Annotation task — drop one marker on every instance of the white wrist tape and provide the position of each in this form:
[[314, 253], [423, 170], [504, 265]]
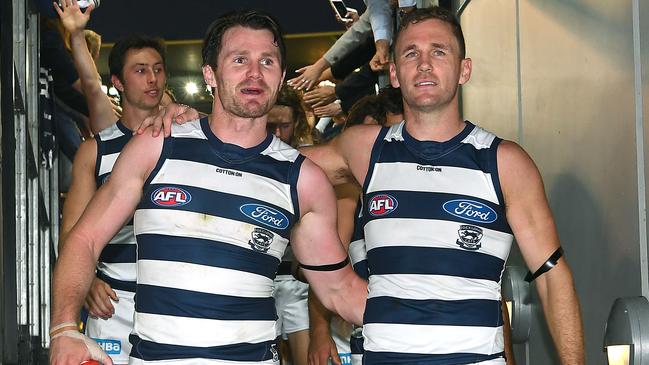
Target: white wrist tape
[[96, 353]]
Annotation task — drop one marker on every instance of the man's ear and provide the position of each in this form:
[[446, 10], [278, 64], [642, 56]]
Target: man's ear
[[466, 65], [208, 76], [393, 75], [117, 83]]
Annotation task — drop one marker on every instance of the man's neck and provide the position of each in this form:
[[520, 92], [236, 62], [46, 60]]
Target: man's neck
[[132, 117], [243, 132], [439, 125]]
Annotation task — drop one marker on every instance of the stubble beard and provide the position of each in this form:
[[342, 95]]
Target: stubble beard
[[252, 109]]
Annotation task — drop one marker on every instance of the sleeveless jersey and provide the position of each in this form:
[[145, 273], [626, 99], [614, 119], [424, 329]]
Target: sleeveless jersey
[[117, 260], [358, 258], [211, 228], [437, 241]]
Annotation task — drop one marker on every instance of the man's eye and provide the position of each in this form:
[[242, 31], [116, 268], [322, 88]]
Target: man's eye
[[239, 60], [411, 54], [266, 61], [439, 52]]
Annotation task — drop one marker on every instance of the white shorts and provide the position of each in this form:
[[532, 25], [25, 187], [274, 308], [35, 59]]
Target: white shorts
[[291, 298], [500, 361], [112, 334], [198, 361], [341, 332]]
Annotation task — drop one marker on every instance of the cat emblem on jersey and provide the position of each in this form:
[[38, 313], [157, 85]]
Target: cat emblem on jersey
[[470, 237], [261, 239], [273, 350]]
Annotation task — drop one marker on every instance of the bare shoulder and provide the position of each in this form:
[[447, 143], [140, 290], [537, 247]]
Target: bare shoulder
[[314, 190], [358, 136], [139, 155], [515, 164], [86, 155]]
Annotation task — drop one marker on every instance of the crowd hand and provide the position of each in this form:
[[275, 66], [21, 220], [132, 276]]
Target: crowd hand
[[321, 349], [71, 348], [329, 110], [381, 58], [172, 113], [117, 109], [72, 18], [320, 96], [98, 301], [350, 18], [309, 77]]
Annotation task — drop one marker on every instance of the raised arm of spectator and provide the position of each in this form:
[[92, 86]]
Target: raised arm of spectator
[[352, 38], [100, 107], [381, 19]]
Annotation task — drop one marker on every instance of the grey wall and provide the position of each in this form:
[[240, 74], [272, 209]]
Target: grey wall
[[559, 77]]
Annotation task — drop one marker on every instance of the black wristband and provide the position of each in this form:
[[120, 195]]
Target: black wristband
[[331, 267], [549, 264]]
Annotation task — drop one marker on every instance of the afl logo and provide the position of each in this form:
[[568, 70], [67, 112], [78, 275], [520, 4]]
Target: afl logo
[[265, 215], [470, 210], [170, 197], [382, 204]]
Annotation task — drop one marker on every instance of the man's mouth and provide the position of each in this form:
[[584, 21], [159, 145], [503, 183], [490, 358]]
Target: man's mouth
[[251, 91], [425, 83], [153, 93]]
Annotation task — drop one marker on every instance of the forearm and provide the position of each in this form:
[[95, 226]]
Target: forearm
[[73, 275], [359, 32], [99, 105], [319, 316], [83, 61], [380, 19], [561, 307], [341, 291]]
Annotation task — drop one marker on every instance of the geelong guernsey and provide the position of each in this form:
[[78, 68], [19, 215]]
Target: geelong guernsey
[[437, 241], [212, 227], [117, 260]]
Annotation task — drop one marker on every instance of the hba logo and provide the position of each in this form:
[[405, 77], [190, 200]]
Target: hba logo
[[111, 347], [170, 197], [382, 204]]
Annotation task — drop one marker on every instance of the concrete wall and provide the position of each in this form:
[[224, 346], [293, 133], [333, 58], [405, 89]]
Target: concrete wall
[[561, 78]]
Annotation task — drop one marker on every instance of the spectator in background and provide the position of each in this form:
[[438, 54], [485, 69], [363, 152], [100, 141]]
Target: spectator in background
[[93, 41]]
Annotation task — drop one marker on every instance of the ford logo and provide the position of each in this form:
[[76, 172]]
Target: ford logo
[[470, 210], [265, 215]]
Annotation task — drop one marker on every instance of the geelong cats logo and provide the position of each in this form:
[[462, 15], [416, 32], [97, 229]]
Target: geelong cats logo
[[261, 239], [470, 237]]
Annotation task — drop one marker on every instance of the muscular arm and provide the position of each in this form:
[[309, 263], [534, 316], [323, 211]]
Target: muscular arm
[[82, 188], [530, 218], [315, 242], [112, 205], [99, 104], [346, 158]]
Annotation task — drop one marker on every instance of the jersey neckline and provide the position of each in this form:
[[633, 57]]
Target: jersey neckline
[[433, 149], [232, 152]]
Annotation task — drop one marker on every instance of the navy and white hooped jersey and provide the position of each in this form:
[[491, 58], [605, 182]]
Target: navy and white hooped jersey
[[211, 228], [358, 258], [357, 250], [117, 260], [437, 241]]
